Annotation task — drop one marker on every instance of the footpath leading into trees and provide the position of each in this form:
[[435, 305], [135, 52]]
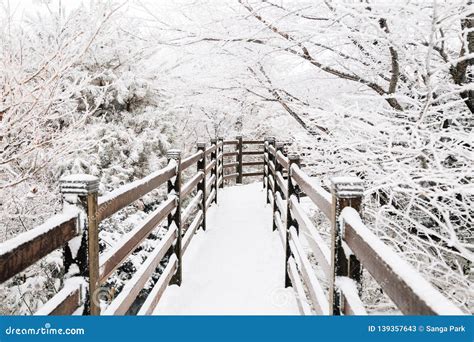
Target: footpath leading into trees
[[237, 266]]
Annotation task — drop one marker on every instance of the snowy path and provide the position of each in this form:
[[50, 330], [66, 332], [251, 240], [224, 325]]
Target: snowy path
[[236, 266]]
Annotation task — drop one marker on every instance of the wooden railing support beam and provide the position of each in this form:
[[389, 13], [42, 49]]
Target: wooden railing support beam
[[239, 160], [174, 189], [82, 191], [221, 162], [201, 167], [290, 221], [214, 169], [277, 188], [271, 142], [346, 192]]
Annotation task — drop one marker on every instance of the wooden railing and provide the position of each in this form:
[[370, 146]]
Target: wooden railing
[[352, 245], [78, 226]]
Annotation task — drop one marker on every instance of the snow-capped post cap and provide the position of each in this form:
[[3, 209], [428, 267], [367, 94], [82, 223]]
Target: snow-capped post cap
[[214, 141], [201, 145], [173, 154], [347, 187], [279, 145], [79, 184], [270, 139]]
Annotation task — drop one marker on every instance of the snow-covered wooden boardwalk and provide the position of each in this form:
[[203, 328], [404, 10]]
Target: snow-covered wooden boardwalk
[[236, 266]]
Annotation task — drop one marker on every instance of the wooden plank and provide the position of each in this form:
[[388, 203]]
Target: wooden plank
[[191, 230], [352, 302], [64, 303], [210, 166], [210, 198], [132, 288], [122, 250], [271, 182], [219, 182], [231, 154], [159, 288], [320, 197], [282, 159], [303, 305], [319, 247], [253, 142], [271, 166], [210, 149], [271, 149], [93, 251], [280, 228], [413, 294], [191, 160], [27, 248], [252, 174], [233, 164], [126, 195], [281, 183], [210, 183], [281, 206], [231, 175], [187, 188], [191, 207], [253, 163], [231, 142], [316, 292], [252, 153], [270, 197]]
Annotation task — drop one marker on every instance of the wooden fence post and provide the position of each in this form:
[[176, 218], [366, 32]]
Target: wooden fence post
[[239, 160], [290, 221], [221, 141], [265, 165], [278, 168], [82, 190], [214, 169], [346, 192], [201, 167], [174, 189], [271, 142]]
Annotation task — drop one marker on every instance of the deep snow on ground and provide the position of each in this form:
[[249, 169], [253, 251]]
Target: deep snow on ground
[[235, 267]]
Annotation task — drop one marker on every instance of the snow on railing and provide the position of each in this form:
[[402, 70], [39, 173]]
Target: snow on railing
[[29, 247], [352, 243], [84, 210], [403, 284]]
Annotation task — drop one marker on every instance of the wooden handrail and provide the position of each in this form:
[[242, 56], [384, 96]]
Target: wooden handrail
[[320, 197], [352, 242], [132, 288], [402, 283], [127, 194], [64, 303], [27, 248], [191, 184], [315, 289], [191, 207], [117, 255], [191, 160]]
